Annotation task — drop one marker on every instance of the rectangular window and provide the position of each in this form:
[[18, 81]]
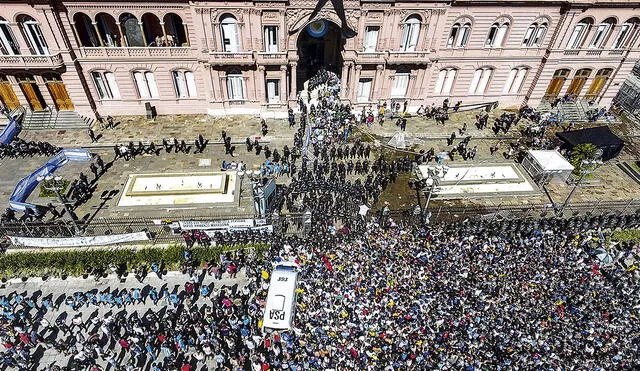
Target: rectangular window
[[576, 36], [271, 39], [448, 82], [36, 39], [537, 40], [400, 85], [105, 85], [273, 91], [230, 37], [146, 84], [9, 46], [364, 89], [453, 35], [371, 39], [185, 84], [235, 87], [480, 81], [622, 35], [410, 37], [528, 36], [598, 38]]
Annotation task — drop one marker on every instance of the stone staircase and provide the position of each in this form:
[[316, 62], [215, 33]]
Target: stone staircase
[[55, 120], [575, 111]]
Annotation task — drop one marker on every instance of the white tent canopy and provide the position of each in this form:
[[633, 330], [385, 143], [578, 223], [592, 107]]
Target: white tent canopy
[[547, 166]]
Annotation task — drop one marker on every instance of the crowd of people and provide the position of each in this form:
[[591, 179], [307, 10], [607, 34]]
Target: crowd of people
[[524, 294], [19, 147]]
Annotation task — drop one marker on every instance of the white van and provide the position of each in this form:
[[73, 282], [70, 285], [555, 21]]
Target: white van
[[281, 299]]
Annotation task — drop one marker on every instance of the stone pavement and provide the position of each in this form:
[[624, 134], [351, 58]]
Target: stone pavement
[[58, 288], [421, 133]]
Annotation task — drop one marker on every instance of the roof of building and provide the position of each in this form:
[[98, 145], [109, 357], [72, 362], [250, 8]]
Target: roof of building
[[550, 160]]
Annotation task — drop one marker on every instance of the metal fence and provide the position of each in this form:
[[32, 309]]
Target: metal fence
[[161, 230], [450, 214]]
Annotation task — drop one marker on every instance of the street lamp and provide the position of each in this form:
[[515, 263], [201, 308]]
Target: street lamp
[[586, 167], [56, 184], [432, 181]]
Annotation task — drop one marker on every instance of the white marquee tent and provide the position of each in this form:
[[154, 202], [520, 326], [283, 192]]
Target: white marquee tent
[[547, 166]]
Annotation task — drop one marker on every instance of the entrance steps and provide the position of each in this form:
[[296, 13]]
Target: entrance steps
[[574, 111], [55, 120]]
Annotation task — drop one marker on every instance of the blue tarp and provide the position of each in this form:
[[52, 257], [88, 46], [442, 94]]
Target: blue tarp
[[10, 131], [27, 184]]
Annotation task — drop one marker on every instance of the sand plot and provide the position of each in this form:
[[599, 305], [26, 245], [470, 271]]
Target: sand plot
[[482, 180], [179, 189]]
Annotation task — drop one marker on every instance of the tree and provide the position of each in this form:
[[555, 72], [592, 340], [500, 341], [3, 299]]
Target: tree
[[582, 152]]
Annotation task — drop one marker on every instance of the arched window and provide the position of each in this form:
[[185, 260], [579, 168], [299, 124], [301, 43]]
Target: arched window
[[579, 33], [534, 35], [235, 85], [496, 35], [146, 84], [459, 35], [595, 89], [446, 78], [86, 32], [33, 35], [176, 30], [515, 80], [410, 33], [602, 33], [8, 42], [400, 83], [184, 83], [105, 83], [480, 80], [626, 34], [230, 34], [152, 30], [556, 83], [108, 30], [131, 29]]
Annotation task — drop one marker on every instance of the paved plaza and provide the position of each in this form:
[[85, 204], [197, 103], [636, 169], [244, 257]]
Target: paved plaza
[[609, 182]]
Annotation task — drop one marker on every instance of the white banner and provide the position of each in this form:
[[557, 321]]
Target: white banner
[[79, 241], [217, 224]]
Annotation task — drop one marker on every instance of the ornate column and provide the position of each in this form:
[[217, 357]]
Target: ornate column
[[75, 33], [294, 81], [95, 27], [123, 40], [144, 37], [186, 35], [377, 82], [356, 82], [211, 92], [283, 84], [164, 33], [344, 83], [261, 84]]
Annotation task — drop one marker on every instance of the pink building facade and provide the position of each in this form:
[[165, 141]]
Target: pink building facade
[[237, 57]]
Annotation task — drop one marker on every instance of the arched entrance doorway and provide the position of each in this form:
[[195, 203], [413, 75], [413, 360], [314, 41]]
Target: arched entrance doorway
[[320, 44]]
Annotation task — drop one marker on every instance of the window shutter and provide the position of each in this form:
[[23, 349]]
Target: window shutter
[[508, 86], [191, 84], [113, 87], [151, 81], [440, 82], [143, 89]]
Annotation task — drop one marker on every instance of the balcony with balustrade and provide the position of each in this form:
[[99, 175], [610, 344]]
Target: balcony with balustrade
[[31, 61], [415, 57], [365, 57], [232, 58], [101, 53], [590, 52], [271, 58]]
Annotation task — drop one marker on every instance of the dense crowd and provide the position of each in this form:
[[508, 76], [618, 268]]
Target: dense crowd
[[474, 295]]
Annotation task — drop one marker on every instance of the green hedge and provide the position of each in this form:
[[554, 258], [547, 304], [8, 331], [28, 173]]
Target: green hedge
[[73, 262], [627, 235]]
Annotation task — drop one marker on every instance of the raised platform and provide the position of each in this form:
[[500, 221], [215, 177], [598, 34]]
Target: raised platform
[[482, 180], [179, 189]]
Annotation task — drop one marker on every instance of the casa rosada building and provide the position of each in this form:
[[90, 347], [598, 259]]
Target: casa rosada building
[[112, 57]]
